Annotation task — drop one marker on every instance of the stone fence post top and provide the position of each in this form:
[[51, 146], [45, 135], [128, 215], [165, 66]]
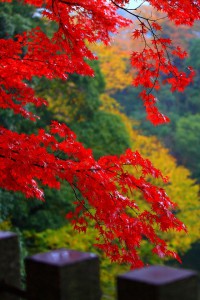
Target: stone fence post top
[[7, 234], [158, 275], [61, 257]]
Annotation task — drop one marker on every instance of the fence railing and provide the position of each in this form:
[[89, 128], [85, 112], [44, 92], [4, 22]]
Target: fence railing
[[71, 275]]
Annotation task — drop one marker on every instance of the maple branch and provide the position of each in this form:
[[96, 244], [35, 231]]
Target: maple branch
[[74, 187], [137, 6], [158, 68], [133, 14]]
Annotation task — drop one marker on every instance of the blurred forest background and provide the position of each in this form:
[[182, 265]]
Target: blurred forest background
[[107, 116]]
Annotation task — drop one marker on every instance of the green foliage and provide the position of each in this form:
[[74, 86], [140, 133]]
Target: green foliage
[[15, 19], [187, 138], [31, 214], [105, 133]]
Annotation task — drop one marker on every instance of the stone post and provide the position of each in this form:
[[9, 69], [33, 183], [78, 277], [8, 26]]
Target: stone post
[[63, 275], [158, 283], [9, 264]]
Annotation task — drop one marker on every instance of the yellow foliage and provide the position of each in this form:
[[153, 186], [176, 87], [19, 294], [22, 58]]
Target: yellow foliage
[[5, 225], [66, 108], [109, 104], [181, 189], [114, 66]]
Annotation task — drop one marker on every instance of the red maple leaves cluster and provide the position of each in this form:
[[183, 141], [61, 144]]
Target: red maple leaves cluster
[[181, 12], [155, 63], [106, 186], [55, 57]]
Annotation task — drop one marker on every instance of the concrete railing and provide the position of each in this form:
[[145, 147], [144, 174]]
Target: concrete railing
[[71, 275]]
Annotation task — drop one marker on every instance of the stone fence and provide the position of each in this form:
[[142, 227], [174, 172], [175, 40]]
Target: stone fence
[[71, 275]]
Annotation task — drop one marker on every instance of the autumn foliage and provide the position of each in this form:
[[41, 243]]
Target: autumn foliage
[[105, 188]]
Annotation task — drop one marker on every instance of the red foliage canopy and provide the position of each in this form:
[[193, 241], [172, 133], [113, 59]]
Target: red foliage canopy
[[27, 162]]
